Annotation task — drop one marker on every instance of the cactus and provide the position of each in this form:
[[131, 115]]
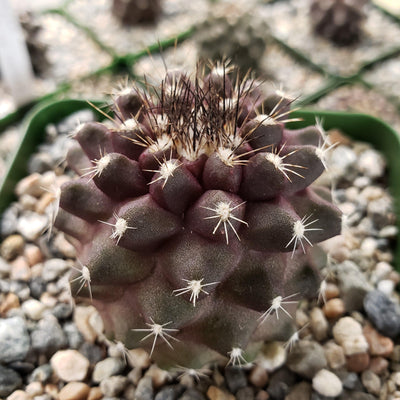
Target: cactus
[[131, 12], [194, 217], [231, 32], [338, 20]]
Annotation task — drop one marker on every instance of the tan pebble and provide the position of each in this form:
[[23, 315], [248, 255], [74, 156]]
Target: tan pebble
[[63, 246], [395, 377], [19, 395], [30, 185], [48, 300], [262, 395], [334, 355], [34, 389], [43, 202], [12, 247], [74, 391], [378, 365], [28, 202], [394, 276], [70, 365], [300, 391], [52, 390], [337, 247], [139, 358], [215, 393], [11, 301], [357, 362], [319, 324], [81, 319], [20, 270], [135, 375], [371, 382], [95, 393], [379, 345], [334, 308], [33, 254], [158, 376], [37, 270], [258, 376], [332, 291]]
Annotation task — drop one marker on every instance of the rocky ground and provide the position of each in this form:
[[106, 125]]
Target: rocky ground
[[347, 345]]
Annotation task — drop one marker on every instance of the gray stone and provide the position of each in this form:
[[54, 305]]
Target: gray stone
[[62, 311], [53, 269], [74, 337], [41, 374], [170, 392], [48, 337], [106, 368], [235, 379], [144, 389], [92, 352], [306, 358], [353, 285], [114, 385], [246, 393], [280, 383], [37, 286], [300, 391], [14, 340], [9, 381], [192, 394], [383, 313], [9, 220]]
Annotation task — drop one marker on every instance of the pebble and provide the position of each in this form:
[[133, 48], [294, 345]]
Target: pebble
[[371, 382], [334, 355], [348, 333], [235, 379], [386, 286], [158, 376], [20, 270], [10, 301], [31, 225], [113, 385], [246, 393], [379, 345], [191, 394], [382, 313], [378, 365], [48, 337], [82, 316], [33, 254], [53, 269], [62, 311], [14, 340], [70, 365], [318, 323], [371, 164], [95, 393], [33, 309], [357, 362], [353, 285], [12, 247], [306, 358], [300, 391], [74, 391], [215, 393], [9, 381], [5, 268], [280, 383], [258, 376], [334, 308], [34, 389], [327, 383], [144, 389], [19, 395], [41, 374], [92, 352], [108, 367], [272, 356], [170, 392]]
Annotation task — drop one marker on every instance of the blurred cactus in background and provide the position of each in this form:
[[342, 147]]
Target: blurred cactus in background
[[232, 33], [194, 217], [131, 12], [338, 20]]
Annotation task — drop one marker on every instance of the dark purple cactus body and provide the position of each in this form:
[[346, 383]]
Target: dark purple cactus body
[[196, 217]]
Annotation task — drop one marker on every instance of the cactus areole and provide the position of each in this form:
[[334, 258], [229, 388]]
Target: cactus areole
[[194, 217]]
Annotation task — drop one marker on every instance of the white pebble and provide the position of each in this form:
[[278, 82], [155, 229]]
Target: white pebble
[[348, 333], [70, 365], [33, 309], [386, 286], [327, 383]]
